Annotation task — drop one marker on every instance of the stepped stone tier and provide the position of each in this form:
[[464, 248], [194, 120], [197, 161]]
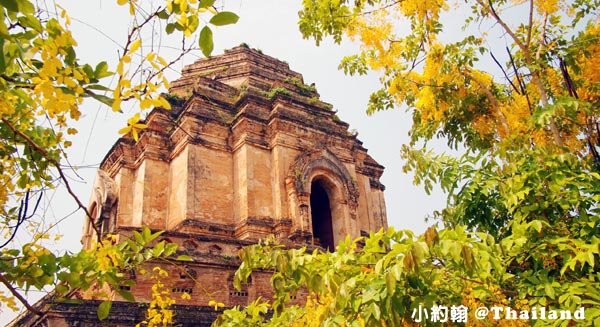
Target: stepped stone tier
[[247, 151]]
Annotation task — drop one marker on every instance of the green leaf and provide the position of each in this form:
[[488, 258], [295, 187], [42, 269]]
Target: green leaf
[[206, 3], [98, 87], [126, 295], [101, 70], [102, 98], [71, 56], [3, 28], [390, 282], [537, 225], [184, 257], [146, 234], [31, 21], [163, 14], [549, 291], [104, 309], [2, 61], [206, 41], [170, 249], [170, 28], [315, 282], [224, 18], [159, 249], [149, 236], [138, 238], [87, 69], [178, 26], [26, 7], [10, 5], [375, 311], [36, 272]]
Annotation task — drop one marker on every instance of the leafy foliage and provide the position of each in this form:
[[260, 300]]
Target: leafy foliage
[[272, 93], [106, 263], [43, 83], [522, 223], [302, 88]]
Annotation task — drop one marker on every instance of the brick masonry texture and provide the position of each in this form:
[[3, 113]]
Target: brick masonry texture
[[232, 162]]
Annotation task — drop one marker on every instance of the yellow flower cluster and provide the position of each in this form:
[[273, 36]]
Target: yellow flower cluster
[[589, 61], [373, 32], [51, 86], [516, 111], [496, 298], [317, 310], [439, 80], [55, 76], [547, 6], [107, 255], [423, 9], [158, 313], [145, 92]]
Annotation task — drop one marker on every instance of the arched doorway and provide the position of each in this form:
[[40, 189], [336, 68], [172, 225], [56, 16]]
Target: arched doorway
[[320, 210]]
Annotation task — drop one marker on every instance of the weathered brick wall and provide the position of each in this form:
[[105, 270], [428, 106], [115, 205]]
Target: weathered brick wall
[[232, 162]]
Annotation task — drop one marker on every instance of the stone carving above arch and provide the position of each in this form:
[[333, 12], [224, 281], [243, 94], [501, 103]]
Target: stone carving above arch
[[101, 208], [104, 196], [301, 171]]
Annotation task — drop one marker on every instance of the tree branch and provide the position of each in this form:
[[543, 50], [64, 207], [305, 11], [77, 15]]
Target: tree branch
[[22, 216], [504, 72], [537, 80], [56, 164], [492, 99], [506, 28], [530, 27], [521, 83], [20, 297], [364, 13]]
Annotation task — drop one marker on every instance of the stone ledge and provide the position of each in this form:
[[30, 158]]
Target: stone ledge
[[121, 314]]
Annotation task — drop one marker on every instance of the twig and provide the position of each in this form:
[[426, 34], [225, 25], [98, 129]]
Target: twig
[[530, 27], [521, 83], [22, 216], [567, 78], [492, 99], [57, 165], [537, 80], [504, 72], [506, 28], [20, 297], [364, 13]]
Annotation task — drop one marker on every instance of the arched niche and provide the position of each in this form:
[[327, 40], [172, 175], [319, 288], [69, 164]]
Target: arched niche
[[323, 172], [325, 211]]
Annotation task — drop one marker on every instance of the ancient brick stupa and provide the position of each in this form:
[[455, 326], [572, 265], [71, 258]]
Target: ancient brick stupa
[[247, 151]]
